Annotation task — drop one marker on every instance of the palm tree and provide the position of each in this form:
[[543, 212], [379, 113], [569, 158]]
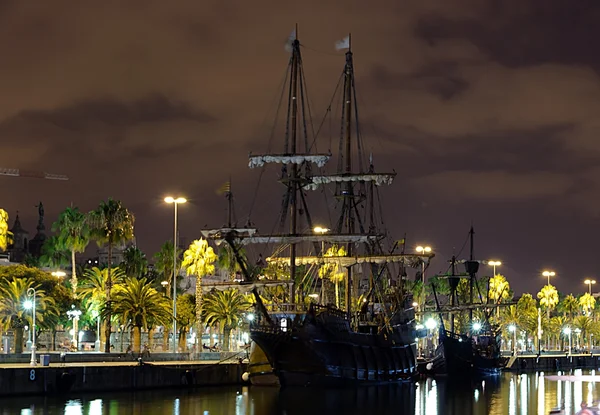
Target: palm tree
[[5, 234], [135, 264], [548, 298], [332, 271], [93, 289], [569, 305], [110, 224], [13, 314], [225, 308], [199, 260], [54, 253], [227, 259], [587, 303], [137, 301], [164, 263], [73, 232], [499, 288], [585, 324]]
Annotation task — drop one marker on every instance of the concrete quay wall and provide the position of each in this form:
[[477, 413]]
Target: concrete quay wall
[[61, 379], [552, 363]]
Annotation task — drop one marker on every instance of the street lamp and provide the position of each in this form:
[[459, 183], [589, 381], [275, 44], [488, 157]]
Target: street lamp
[[513, 329], [30, 304], [164, 285], [589, 283], [175, 202], [423, 251], [548, 274], [74, 314], [58, 274], [494, 264]]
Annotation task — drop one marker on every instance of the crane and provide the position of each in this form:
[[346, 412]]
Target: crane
[[29, 173]]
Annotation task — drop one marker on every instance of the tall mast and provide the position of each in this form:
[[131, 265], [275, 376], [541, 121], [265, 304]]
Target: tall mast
[[293, 183], [348, 195], [472, 270]]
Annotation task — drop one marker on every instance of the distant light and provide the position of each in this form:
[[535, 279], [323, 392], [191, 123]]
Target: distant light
[[415, 304], [431, 324], [320, 229], [28, 304], [315, 296], [477, 326], [250, 317], [512, 328], [567, 330], [58, 274], [423, 250], [494, 263]]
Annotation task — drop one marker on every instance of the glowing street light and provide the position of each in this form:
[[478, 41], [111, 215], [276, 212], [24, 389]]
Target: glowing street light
[[175, 202], [431, 324], [96, 315], [494, 264], [476, 326], [321, 230], [548, 274], [423, 250], [30, 305], [58, 274], [589, 283]]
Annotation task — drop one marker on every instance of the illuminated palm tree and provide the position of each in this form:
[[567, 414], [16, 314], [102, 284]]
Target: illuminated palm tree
[[54, 253], [13, 315], [199, 260], [225, 308], [73, 233], [164, 263], [569, 305], [110, 224], [5, 234], [93, 289], [587, 303], [138, 302], [333, 272], [548, 298]]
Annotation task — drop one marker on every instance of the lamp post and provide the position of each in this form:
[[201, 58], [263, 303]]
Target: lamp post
[[513, 329], [423, 250], [30, 304], [589, 283], [494, 264], [175, 202], [74, 314], [164, 284], [548, 274], [567, 331]]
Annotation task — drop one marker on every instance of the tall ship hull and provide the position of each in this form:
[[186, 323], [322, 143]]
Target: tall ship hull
[[323, 350], [457, 355], [260, 371]]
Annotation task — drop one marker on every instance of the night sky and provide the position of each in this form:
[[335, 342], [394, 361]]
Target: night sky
[[488, 110]]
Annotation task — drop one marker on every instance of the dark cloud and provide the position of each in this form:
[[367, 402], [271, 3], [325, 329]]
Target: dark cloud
[[487, 110]]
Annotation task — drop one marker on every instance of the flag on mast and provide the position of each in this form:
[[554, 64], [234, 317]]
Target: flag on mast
[[343, 44], [290, 41]]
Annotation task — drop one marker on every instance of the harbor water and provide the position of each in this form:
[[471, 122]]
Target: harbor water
[[511, 393]]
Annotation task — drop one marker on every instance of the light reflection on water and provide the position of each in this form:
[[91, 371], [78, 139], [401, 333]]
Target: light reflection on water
[[512, 394]]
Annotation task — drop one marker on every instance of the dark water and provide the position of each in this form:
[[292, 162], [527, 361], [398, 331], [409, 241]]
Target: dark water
[[511, 394]]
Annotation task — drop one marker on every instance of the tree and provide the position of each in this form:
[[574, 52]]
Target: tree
[[164, 263], [73, 233], [333, 272], [137, 301], [110, 224], [135, 264], [54, 253], [227, 259], [186, 317], [13, 314], [93, 289], [199, 260], [499, 288], [225, 308], [548, 296], [587, 303], [569, 305], [5, 234]]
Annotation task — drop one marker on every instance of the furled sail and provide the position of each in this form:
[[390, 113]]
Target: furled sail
[[377, 178], [260, 160], [348, 261]]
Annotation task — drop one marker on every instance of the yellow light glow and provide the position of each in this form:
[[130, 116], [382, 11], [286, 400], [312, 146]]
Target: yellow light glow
[[319, 229], [178, 200]]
